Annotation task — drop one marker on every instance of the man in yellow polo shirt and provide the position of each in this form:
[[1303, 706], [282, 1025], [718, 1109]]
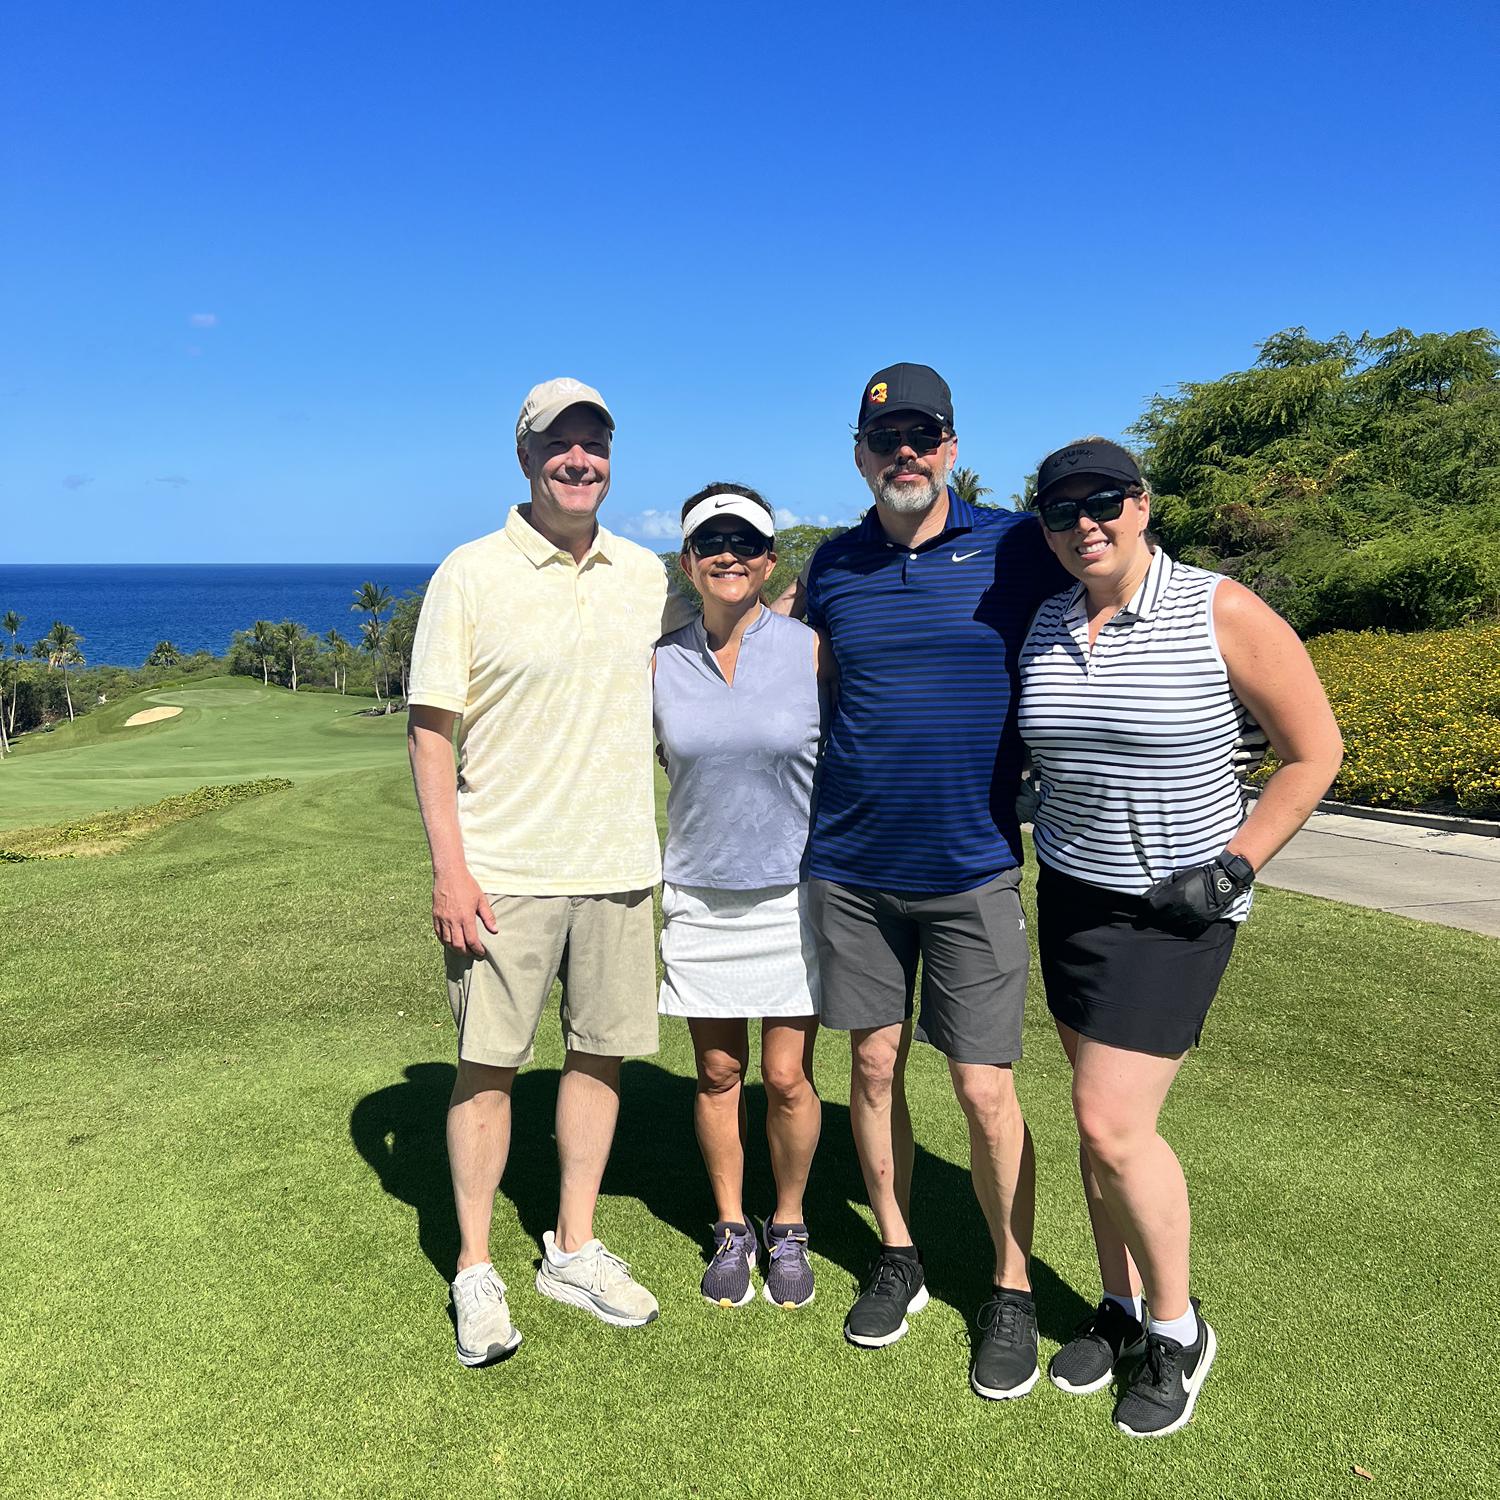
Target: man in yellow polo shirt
[[536, 641]]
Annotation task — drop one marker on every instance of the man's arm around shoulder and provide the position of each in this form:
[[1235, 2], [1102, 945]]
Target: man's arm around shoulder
[[458, 904]]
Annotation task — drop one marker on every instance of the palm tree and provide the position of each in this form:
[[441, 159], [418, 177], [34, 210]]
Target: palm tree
[[372, 639], [966, 485], [11, 622], [340, 653], [373, 599], [263, 644], [60, 646], [294, 640], [402, 633], [164, 654]]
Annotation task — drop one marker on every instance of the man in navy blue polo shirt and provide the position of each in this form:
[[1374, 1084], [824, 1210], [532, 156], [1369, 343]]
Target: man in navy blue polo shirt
[[915, 849]]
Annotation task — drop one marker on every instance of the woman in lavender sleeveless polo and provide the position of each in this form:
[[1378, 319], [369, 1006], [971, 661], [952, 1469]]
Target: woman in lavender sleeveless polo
[[738, 718]]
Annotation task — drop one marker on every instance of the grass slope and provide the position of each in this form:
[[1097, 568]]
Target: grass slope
[[232, 729], [227, 1054]]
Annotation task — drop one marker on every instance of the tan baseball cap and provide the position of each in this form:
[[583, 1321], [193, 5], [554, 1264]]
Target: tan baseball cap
[[549, 400]]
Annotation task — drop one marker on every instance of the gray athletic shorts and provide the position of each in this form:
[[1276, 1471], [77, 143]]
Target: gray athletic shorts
[[974, 959]]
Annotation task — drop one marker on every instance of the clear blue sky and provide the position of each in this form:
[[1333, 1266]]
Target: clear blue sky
[[275, 278]]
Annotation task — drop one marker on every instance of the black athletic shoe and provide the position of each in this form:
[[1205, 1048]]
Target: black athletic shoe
[[896, 1287], [1086, 1363], [1164, 1388], [1005, 1364]]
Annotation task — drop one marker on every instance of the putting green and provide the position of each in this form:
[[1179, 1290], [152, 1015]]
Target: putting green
[[212, 697], [223, 734]]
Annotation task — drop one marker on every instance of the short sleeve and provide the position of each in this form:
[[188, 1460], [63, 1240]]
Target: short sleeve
[[443, 652], [812, 594]]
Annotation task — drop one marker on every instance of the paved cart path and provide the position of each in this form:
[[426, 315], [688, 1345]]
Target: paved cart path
[[1451, 878]]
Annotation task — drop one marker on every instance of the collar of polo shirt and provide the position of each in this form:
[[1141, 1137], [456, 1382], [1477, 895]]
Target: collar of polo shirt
[[538, 550]]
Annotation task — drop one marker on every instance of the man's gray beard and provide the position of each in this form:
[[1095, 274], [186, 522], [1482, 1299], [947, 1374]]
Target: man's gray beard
[[900, 497]]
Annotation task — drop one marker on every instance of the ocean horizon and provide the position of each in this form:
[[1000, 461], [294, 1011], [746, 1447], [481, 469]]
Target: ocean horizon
[[123, 609]]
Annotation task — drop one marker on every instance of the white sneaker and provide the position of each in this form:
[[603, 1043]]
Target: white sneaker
[[481, 1317], [598, 1282]]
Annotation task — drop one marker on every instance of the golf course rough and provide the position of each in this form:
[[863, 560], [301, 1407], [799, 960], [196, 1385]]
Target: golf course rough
[[228, 1055]]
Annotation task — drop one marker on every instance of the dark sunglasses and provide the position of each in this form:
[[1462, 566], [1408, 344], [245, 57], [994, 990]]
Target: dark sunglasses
[[883, 440], [743, 544], [1062, 515]]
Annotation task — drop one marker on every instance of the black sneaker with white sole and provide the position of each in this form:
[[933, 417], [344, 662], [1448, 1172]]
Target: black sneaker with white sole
[[1086, 1363], [1162, 1391], [1005, 1364], [895, 1288]]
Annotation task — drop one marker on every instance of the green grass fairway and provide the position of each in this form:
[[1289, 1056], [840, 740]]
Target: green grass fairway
[[233, 730], [227, 1055]]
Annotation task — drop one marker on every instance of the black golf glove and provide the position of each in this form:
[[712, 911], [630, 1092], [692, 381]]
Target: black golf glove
[[1190, 901]]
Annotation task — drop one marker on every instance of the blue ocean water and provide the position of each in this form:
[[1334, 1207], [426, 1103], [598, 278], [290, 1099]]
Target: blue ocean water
[[123, 610]]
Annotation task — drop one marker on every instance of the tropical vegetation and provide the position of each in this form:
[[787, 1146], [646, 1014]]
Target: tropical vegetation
[[1354, 483], [1420, 715]]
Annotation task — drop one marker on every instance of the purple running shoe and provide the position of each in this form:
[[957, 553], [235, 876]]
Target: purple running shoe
[[789, 1277], [726, 1282]]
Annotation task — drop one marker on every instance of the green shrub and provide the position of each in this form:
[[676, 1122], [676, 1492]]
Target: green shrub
[[1420, 715]]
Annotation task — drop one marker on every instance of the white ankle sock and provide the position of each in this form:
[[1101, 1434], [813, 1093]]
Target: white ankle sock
[[1183, 1329], [1132, 1305], [474, 1272]]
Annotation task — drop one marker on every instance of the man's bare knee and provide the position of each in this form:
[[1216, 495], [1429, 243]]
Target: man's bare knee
[[605, 1069], [987, 1094], [475, 1078], [873, 1058]]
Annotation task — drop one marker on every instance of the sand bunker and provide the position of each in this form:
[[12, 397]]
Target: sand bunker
[[151, 716]]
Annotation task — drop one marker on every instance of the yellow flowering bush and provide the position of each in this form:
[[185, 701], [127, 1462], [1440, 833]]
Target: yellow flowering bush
[[1420, 715]]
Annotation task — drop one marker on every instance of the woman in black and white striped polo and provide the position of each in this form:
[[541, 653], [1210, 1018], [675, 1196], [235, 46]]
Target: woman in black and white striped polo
[[1138, 688]]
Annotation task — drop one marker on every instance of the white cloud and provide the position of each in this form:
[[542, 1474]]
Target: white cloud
[[785, 518], [204, 320], [652, 525]]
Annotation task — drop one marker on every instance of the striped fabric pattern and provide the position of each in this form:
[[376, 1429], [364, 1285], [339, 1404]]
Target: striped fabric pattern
[[1137, 743], [921, 766]]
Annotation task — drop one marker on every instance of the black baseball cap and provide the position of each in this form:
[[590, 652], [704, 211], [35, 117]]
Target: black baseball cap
[[1092, 456], [916, 388]]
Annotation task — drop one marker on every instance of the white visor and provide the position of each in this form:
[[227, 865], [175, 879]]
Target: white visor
[[717, 506]]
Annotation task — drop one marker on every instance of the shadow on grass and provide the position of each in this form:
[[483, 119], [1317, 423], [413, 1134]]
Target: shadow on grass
[[399, 1131]]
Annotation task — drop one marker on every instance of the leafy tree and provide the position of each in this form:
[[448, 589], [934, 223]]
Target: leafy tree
[[966, 486], [373, 600], [295, 644], [1354, 482], [60, 647], [164, 654]]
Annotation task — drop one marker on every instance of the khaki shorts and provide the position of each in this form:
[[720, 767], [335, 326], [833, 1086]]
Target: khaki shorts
[[603, 949]]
